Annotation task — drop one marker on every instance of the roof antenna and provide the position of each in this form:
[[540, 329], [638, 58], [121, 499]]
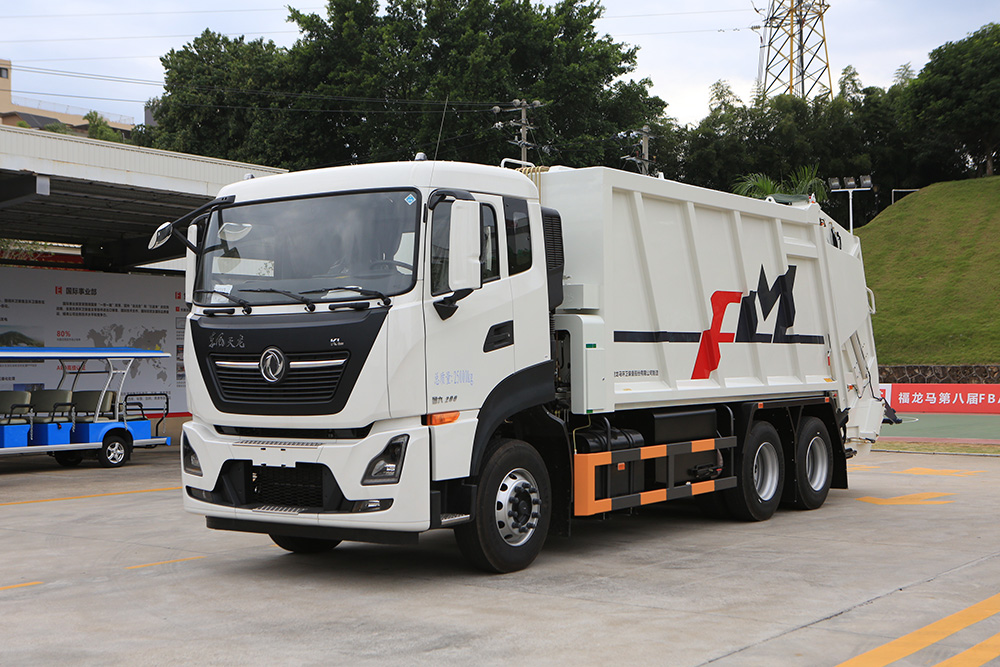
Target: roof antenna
[[444, 111]]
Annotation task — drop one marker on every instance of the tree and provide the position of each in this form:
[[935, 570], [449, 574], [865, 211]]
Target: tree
[[98, 128], [220, 94], [757, 185], [957, 95], [803, 180], [361, 85]]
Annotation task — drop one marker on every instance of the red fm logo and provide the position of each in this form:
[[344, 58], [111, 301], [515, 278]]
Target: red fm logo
[[777, 294]]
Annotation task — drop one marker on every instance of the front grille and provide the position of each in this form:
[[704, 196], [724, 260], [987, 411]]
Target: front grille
[[297, 433], [302, 384], [301, 486]]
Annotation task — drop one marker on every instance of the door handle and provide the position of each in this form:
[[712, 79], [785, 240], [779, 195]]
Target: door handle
[[499, 336]]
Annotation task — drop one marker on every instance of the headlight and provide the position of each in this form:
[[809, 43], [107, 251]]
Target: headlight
[[388, 465]]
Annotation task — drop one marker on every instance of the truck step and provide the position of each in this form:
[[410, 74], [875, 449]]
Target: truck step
[[452, 519], [279, 509]]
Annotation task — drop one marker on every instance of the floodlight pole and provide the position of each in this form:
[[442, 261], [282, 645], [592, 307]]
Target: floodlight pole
[[850, 202]]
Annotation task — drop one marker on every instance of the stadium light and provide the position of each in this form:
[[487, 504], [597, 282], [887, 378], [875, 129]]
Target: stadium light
[[850, 187]]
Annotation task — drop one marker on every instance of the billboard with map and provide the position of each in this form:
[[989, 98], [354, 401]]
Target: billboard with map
[[66, 308]]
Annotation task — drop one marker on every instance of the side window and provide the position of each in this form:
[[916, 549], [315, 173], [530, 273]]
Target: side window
[[515, 213], [490, 255], [440, 235]]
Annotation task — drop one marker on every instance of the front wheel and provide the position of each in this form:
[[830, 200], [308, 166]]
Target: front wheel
[[114, 452], [304, 545], [760, 475], [513, 510]]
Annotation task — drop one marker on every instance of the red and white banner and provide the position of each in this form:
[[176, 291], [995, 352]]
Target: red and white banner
[[953, 398]]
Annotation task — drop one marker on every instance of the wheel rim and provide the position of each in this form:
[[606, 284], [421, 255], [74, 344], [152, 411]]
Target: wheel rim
[[817, 463], [517, 504], [765, 471], [115, 452]]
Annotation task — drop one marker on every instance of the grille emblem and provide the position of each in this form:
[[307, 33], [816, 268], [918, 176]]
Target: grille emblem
[[273, 365]]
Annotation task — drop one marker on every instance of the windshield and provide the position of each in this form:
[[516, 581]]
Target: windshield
[[326, 248]]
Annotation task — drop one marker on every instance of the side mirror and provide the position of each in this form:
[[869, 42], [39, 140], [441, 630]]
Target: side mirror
[[161, 235], [464, 271]]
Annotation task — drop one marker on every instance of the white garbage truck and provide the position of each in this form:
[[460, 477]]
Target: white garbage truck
[[379, 350]]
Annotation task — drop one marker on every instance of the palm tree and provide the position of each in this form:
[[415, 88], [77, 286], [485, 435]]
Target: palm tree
[[802, 181], [756, 185]]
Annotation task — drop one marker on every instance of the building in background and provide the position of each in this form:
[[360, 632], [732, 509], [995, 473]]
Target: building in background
[[20, 112]]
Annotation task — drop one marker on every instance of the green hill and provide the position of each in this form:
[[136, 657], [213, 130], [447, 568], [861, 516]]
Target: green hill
[[933, 261]]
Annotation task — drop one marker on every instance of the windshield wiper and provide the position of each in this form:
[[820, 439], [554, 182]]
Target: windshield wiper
[[370, 293], [310, 306], [235, 299]]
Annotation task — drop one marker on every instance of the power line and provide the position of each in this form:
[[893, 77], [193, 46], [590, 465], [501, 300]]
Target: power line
[[243, 91], [109, 39], [264, 108], [689, 32], [49, 17], [643, 16]]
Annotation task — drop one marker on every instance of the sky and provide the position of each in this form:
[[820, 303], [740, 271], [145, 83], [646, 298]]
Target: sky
[[104, 55]]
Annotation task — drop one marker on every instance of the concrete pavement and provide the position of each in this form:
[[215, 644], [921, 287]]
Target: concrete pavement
[[103, 567]]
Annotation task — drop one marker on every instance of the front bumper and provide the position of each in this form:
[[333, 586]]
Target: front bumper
[[288, 482]]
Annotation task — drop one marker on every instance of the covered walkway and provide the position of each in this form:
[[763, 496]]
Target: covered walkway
[[106, 197]]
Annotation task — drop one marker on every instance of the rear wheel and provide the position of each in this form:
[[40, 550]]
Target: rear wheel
[[304, 545], [68, 459], [813, 464], [512, 512], [114, 452], [761, 475]]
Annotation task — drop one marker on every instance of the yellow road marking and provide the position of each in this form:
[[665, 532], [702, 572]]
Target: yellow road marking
[[980, 654], [862, 466], [924, 637], [942, 473], [7, 588], [163, 562], [911, 499], [96, 495]]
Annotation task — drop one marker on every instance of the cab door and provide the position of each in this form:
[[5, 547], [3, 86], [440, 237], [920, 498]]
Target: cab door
[[469, 346]]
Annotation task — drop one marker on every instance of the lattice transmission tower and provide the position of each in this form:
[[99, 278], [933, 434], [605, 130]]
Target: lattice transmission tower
[[794, 59]]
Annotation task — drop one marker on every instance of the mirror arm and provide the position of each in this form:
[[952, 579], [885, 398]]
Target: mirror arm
[[184, 239], [218, 201], [447, 306]]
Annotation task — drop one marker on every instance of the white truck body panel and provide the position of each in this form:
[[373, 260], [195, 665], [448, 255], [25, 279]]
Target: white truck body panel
[[645, 258]]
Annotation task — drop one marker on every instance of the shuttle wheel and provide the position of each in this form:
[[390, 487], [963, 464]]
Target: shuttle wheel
[[513, 510], [304, 545], [813, 464], [68, 459], [114, 452], [760, 475]]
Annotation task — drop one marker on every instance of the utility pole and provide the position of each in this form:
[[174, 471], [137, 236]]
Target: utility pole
[[523, 124], [644, 161]]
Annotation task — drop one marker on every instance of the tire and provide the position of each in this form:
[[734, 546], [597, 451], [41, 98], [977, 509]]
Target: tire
[[115, 452], [68, 459], [304, 545], [760, 475], [813, 464], [512, 512]]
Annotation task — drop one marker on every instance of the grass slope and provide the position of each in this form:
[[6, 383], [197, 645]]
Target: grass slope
[[933, 261]]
